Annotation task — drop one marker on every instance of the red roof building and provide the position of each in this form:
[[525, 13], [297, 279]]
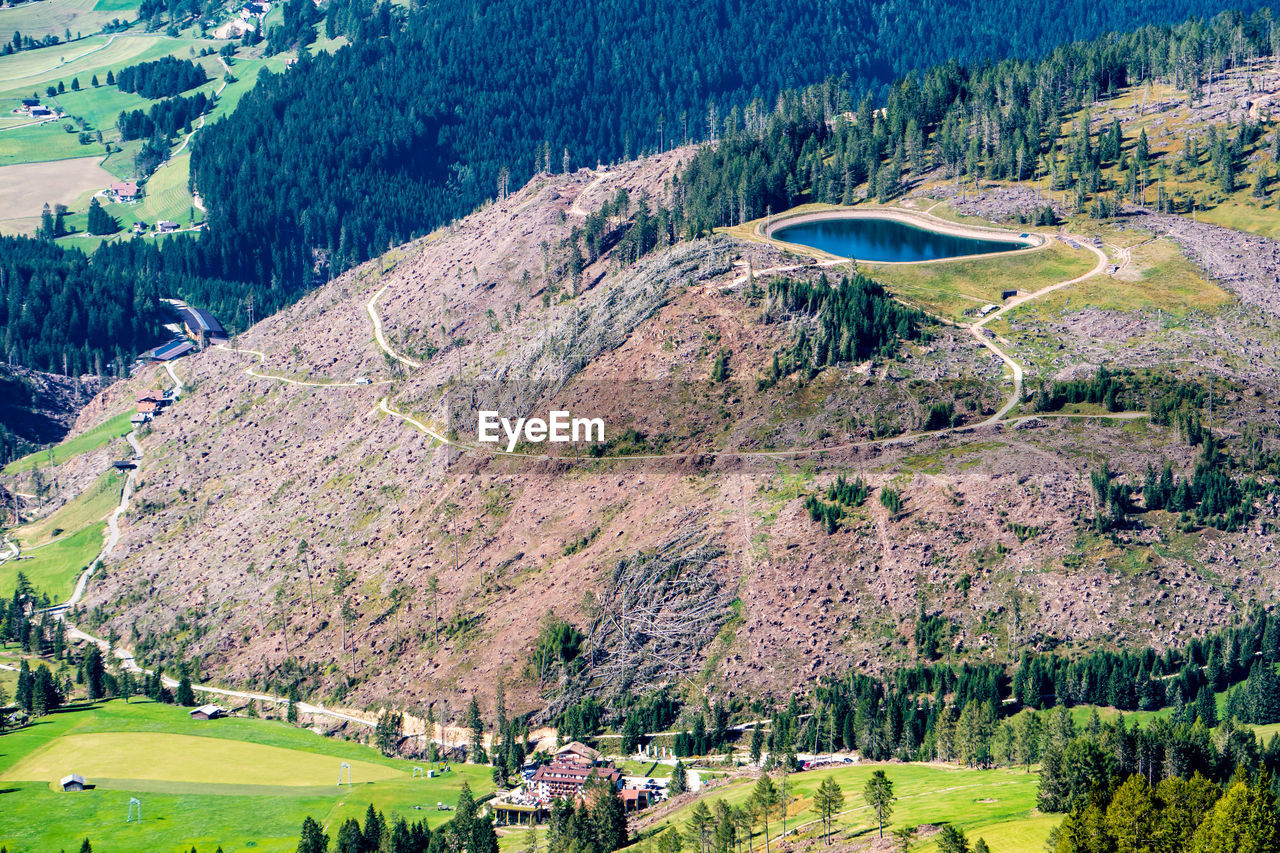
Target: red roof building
[[125, 191]]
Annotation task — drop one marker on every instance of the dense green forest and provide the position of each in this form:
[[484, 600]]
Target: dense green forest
[[165, 117], [973, 712], [63, 314], [1001, 121], [161, 79]]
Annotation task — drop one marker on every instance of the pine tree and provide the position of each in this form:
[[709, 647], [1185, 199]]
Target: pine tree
[[878, 793], [475, 725], [757, 743], [313, 838], [828, 801], [679, 782], [952, 840], [765, 802], [185, 696]]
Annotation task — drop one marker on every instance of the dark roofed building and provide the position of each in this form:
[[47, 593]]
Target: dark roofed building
[[203, 328], [172, 350]]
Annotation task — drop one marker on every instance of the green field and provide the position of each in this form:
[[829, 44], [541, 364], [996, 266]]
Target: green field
[[54, 568], [41, 143], [650, 769], [240, 783], [31, 71], [90, 439], [55, 17], [992, 804], [88, 507]]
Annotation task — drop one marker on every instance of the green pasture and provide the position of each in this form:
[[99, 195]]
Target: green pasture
[[31, 71], [244, 784], [43, 142]]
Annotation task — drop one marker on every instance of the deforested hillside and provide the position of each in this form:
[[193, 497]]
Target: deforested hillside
[[787, 489]]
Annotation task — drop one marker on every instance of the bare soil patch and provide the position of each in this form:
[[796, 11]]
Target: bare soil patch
[[27, 187]]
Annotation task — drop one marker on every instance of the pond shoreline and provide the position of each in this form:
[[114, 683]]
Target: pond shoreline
[[1032, 241]]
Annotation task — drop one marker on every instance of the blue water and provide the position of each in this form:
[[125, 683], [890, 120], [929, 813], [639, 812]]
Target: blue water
[[886, 240]]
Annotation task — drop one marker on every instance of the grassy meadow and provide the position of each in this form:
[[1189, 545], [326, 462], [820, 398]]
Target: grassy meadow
[[244, 784]]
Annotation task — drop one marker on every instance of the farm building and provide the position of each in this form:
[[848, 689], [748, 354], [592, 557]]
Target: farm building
[[124, 191], [203, 328], [41, 112], [171, 350], [166, 226], [74, 782], [207, 712]]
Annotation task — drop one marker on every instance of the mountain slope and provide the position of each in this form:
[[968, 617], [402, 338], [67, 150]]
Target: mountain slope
[[993, 534]]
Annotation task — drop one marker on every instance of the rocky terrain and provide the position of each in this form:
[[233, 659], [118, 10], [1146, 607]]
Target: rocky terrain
[[289, 520]]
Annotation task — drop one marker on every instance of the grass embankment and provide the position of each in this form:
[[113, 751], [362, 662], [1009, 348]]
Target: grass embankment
[[997, 805], [949, 289], [648, 769], [57, 548], [238, 783], [91, 439], [1158, 278]]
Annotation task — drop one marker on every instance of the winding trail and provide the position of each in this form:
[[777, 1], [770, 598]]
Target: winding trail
[[380, 335], [980, 333], [977, 329], [124, 656], [576, 208], [262, 359]]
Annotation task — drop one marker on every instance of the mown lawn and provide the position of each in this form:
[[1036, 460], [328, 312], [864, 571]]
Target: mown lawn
[[43, 143], [55, 17], [241, 783]]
